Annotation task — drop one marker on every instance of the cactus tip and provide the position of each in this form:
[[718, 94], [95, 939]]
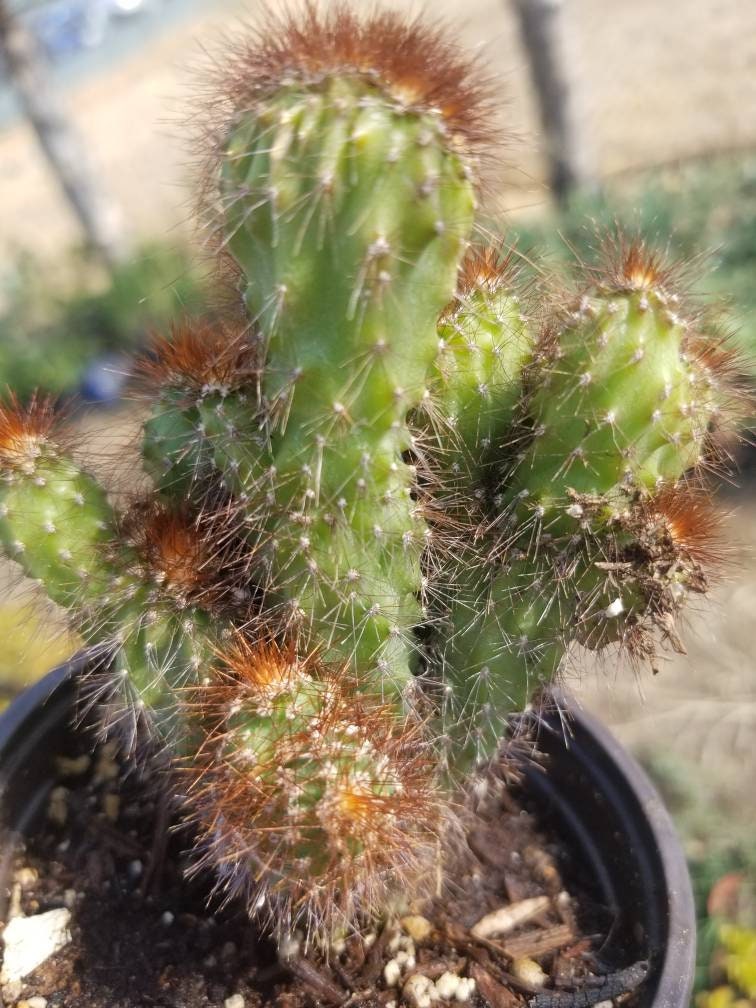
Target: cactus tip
[[25, 428], [200, 356], [418, 65], [694, 524], [194, 557], [488, 267]]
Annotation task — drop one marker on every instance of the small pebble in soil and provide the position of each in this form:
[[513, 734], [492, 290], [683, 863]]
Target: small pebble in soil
[[73, 767], [451, 987], [447, 985], [527, 971], [107, 768], [405, 959], [111, 806], [167, 918], [32, 1002], [507, 918], [57, 808], [417, 927], [29, 941], [235, 1001], [419, 991], [11, 992], [392, 973]]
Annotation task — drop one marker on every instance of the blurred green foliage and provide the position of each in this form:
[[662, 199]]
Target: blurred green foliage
[[703, 212], [50, 330]]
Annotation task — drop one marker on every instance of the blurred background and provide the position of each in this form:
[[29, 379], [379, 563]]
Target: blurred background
[[629, 111]]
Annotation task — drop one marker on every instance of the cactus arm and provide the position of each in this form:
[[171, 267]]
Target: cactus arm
[[494, 637], [54, 522], [587, 540], [54, 518], [485, 342], [621, 405]]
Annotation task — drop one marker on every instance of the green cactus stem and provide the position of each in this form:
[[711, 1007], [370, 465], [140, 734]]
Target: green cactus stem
[[193, 373], [142, 589], [180, 584], [55, 519], [485, 341], [346, 198], [620, 399]]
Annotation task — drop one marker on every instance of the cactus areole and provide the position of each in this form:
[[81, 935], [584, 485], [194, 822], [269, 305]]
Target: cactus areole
[[389, 491]]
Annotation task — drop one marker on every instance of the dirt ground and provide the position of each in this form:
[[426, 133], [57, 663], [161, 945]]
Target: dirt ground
[[656, 81]]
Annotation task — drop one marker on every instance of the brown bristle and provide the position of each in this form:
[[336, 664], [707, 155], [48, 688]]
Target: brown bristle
[[547, 348], [487, 268], [716, 354], [727, 368], [628, 264], [311, 825], [419, 65], [694, 524], [264, 666], [25, 429], [202, 356], [195, 557]]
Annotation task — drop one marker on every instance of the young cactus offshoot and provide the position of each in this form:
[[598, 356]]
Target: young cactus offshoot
[[592, 521], [388, 494]]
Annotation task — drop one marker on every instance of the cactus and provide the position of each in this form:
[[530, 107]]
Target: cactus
[[388, 493], [593, 530]]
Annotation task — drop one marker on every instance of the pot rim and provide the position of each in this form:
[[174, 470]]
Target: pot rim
[[676, 965]]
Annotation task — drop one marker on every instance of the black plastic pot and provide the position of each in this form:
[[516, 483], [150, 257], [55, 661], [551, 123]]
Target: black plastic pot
[[621, 847]]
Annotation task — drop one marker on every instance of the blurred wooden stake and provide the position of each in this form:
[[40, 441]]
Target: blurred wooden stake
[[25, 66], [545, 37]]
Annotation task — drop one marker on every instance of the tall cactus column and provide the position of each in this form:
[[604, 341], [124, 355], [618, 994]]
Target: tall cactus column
[[346, 198]]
